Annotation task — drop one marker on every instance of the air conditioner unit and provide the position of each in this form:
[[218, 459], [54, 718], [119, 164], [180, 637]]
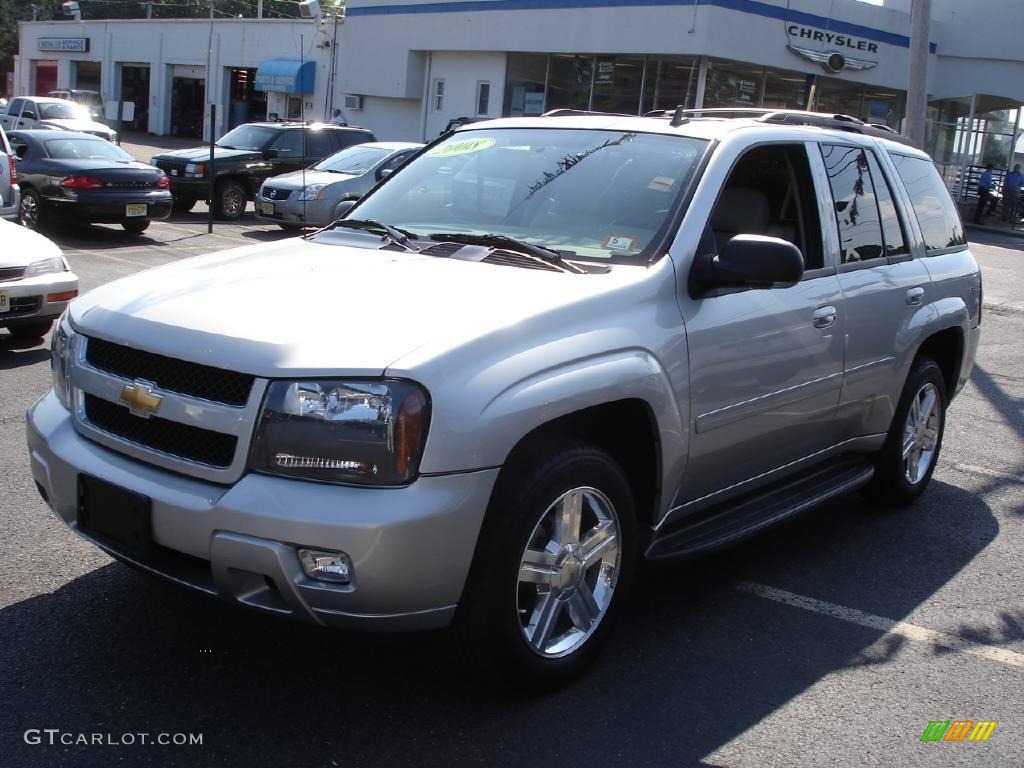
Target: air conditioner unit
[[309, 9], [352, 101]]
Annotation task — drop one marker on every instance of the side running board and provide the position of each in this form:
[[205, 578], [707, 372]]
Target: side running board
[[742, 517]]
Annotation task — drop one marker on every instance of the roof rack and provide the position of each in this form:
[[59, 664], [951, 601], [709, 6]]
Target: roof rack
[[582, 113], [834, 121]]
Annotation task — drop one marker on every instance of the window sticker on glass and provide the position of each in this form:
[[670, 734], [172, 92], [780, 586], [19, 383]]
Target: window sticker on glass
[[661, 183], [620, 243], [463, 147]]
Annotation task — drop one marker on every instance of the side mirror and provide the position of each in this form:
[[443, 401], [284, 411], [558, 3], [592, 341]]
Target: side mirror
[[270, 154], [383, 173], [751, 261], [342, 208]]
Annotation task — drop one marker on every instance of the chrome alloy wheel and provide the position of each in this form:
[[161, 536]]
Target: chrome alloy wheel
[[568, 572], [232, 202], [921, 434], [30, 211]]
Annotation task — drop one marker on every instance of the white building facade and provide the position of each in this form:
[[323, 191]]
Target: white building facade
[[152, 74]]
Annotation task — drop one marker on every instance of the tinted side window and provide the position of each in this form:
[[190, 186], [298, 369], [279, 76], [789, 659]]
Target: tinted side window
[[19, 147], [351, 138], [892, 228], [318, 144], [289, 144], [935, 210], [14, 108], [860, 236]]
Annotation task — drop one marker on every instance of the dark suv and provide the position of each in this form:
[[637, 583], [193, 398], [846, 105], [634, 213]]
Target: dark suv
[[246, 156]]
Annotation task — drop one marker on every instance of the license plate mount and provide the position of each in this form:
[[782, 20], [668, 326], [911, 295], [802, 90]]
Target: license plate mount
[[5, 301], [135, 209], [267, 209], [116, 516]]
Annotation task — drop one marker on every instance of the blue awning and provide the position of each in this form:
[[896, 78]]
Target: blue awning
[[286, 76]]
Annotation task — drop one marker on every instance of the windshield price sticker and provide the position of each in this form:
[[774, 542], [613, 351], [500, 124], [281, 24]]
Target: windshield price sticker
[[463, 147], [620, 243]]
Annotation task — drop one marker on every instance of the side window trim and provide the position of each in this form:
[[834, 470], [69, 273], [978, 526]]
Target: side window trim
[[852, 266], [826, 207], [901, 219], [912, 228]]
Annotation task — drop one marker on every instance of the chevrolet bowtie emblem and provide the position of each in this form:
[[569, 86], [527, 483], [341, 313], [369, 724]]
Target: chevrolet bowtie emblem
[[140, 399]]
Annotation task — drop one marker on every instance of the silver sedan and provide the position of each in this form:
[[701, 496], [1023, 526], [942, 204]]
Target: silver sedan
[[311, 197]]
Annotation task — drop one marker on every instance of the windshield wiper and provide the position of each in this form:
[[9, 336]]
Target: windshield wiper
[[508, 243], [391, 234]]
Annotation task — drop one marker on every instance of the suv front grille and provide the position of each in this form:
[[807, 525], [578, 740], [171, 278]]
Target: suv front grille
[[185, 378], [181, 440], [171, 165], [11, 273]]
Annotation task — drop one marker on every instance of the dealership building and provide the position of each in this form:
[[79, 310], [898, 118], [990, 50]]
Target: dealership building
[[404, 69]]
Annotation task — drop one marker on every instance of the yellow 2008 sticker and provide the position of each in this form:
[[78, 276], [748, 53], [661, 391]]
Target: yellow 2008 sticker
[[462, 147]]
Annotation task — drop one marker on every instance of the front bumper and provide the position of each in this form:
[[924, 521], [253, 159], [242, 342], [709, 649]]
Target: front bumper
[[410, 547], [28, 297], [110, 207], [311, 213]]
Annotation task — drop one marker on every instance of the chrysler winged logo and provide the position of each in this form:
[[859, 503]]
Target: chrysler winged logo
[[140, 399], [832, 61]]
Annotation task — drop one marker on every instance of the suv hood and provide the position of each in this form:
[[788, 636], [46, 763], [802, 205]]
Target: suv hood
[[301, 308], [199, 154]]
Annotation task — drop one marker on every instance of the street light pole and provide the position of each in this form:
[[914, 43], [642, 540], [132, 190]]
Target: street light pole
[[917, 86]]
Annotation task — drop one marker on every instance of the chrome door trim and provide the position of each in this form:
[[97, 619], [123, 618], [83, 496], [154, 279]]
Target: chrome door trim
[[730, 414]]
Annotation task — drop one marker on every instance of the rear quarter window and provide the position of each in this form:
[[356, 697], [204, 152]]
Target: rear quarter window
[[934, 207]]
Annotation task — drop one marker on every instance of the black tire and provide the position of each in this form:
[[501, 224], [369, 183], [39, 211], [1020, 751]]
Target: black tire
[[229, 200], [183, 204], [893, 484], [135, 227], [34, 330], [488, 618], [32, 215], [293, 228]]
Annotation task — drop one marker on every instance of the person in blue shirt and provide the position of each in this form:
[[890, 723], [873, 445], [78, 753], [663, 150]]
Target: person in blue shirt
[[1011, 193], [985, 198]]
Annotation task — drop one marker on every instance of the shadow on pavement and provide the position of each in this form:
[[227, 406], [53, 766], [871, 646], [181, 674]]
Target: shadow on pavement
[[694, 664], [15, 353]]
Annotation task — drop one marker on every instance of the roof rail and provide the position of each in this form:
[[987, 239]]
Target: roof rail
[[582, 113]]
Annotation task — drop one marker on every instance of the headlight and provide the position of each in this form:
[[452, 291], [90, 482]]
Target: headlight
[[195, 170], [60, 354], [312, 192], [36, 268], [113, 137], [363, 432]]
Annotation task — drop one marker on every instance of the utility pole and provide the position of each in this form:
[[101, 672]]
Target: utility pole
[[917, 86]]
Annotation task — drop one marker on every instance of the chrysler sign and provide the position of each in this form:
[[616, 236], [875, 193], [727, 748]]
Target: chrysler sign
[[830, 38], [830, 49], [71, 44]]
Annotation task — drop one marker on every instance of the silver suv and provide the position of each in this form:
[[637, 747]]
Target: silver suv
[[543, 350]]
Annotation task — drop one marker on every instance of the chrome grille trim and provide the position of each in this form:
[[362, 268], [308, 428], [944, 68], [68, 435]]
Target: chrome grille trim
[[191, 411]]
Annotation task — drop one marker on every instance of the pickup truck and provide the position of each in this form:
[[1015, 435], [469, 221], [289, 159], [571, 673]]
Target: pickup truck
[[542, 351]]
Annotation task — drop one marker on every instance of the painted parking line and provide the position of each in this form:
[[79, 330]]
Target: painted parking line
[[971, 469], [888, 626]]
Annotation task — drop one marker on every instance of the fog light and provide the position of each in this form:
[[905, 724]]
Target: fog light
[[326, 566]]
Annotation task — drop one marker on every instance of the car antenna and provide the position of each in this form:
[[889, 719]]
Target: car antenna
[[678, 118]]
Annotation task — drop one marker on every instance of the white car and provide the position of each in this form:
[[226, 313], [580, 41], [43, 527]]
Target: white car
[[36, 282], [29, 112]]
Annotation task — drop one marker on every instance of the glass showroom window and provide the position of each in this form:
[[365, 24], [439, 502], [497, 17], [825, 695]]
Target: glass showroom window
[[733, 84], [670, 81], [524, 90], [618, 81], [569, 81]]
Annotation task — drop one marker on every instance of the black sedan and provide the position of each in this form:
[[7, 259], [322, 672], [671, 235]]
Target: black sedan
[[79, 178]]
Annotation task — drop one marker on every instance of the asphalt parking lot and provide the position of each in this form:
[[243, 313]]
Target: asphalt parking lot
[[832, 640]]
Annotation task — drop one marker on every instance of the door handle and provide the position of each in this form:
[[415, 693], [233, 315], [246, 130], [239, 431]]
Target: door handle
[[824, 317], [915, 296]]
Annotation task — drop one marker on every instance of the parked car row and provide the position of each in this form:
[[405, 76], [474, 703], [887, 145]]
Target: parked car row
[[298, 175]]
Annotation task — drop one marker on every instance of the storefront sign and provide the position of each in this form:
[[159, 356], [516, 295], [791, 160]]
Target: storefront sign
[[71, 44], [810, 34], [832, 49]]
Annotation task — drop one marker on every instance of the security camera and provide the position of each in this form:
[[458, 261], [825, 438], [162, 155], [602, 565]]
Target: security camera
[[309, 9]]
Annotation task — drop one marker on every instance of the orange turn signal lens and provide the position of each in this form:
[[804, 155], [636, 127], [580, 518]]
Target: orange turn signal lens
[[65, 296]]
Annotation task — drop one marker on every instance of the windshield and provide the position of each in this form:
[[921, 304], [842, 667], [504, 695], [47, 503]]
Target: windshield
[[85, 149], [353, 160], [586, 193], [55, 111], [251, 137]]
